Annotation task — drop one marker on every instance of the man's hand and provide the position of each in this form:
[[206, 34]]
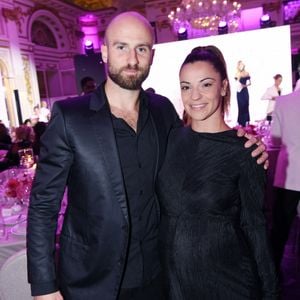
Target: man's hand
[[259, 151], [54, 296]]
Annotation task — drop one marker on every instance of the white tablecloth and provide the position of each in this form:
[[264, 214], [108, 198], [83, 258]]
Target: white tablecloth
[[10, 244]]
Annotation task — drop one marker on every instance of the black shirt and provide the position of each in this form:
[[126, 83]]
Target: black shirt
[[138, 156]]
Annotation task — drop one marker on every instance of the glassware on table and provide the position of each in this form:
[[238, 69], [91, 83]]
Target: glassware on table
[[264, 131], [3, 229], [26, 158]]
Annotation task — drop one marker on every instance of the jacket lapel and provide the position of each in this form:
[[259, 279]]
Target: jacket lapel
[[103, 129]]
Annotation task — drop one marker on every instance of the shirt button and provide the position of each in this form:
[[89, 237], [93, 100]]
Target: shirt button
[[140, 165]]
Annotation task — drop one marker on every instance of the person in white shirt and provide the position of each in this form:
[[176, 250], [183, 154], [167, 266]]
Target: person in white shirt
[[44, 114], [271, 94], [297, 85], [286, 179]]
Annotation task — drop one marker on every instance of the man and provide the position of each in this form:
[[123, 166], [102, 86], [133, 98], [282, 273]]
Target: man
[[286, 179], [88, 85], [107, 148]]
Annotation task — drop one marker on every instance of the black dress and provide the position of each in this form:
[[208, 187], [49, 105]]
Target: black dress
[[213, 231], [243, 102]]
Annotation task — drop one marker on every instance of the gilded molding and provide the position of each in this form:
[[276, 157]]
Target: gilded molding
[[16, 15], [27, 77], [39, 6], [162, 24]]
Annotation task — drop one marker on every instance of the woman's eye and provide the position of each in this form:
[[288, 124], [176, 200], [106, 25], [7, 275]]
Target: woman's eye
[[184, 88], [207, 84]]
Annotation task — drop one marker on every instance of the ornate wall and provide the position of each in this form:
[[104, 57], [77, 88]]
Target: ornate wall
[[38, 43]]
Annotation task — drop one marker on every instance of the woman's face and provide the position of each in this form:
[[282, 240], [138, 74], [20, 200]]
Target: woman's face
[[241, 66], [201, 91]]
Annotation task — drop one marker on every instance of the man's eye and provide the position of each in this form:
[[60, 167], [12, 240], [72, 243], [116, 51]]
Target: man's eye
[[142, 49]]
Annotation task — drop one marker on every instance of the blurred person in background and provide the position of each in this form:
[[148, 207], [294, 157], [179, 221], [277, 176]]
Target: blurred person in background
[[27, 122], [34, 118], [243, 81], [88, 85], [44, 114], [5, 145], [285, 134], [5, 139], [271, 94], [39, 128], [24, 137]]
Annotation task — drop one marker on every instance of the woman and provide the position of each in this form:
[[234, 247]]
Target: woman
[[243, 79], [213, 231]]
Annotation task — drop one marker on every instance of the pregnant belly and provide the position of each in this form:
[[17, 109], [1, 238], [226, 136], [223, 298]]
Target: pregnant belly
[[202, 244]]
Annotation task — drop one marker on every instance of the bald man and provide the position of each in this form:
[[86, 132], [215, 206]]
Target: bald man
[[106, 148]]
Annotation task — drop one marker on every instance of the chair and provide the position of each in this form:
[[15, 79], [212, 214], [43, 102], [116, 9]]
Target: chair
[[13, 278]]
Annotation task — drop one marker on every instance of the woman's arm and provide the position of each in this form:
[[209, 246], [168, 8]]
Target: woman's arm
[[252, 190]]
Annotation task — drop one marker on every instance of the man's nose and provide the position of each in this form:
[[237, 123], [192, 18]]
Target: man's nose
[[133, 59]]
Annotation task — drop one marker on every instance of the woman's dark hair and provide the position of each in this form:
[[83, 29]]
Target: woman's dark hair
[[213, 56]]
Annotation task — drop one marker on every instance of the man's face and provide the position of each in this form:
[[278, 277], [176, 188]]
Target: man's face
[[128, 53]]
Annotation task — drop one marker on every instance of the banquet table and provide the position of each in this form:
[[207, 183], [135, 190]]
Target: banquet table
[[11, 244], [13, 215], [13, 231]]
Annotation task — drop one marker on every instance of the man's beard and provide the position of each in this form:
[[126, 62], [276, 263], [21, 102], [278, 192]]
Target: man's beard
[[128, 82]]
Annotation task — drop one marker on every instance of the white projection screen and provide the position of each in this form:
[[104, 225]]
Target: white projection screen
[[265, 53]]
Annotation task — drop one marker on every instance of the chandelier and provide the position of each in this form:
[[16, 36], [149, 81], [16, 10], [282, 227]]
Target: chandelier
[[202, 18]]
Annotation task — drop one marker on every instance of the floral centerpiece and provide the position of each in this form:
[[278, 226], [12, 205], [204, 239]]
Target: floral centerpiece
[[19, 187]]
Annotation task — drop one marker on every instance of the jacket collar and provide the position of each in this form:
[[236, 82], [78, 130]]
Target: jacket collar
[[98, 98]]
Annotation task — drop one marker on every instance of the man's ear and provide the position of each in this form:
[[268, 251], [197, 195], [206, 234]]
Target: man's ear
[[104, 52]]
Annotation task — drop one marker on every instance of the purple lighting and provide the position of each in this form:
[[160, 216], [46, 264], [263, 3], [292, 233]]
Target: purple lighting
[[88, 43], [265, 21], [181, 30], [88, 47], [182, 33], [222, 27], [265, 18]]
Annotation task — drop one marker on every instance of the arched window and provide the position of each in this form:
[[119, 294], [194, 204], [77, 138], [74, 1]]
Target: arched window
[[42, 35]]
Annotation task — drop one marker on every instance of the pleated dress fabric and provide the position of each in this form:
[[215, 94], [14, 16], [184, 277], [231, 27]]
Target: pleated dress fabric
[[213, 235]]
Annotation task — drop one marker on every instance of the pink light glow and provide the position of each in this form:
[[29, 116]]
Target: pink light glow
[[250, 18], [88, 43], [89, 26]]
